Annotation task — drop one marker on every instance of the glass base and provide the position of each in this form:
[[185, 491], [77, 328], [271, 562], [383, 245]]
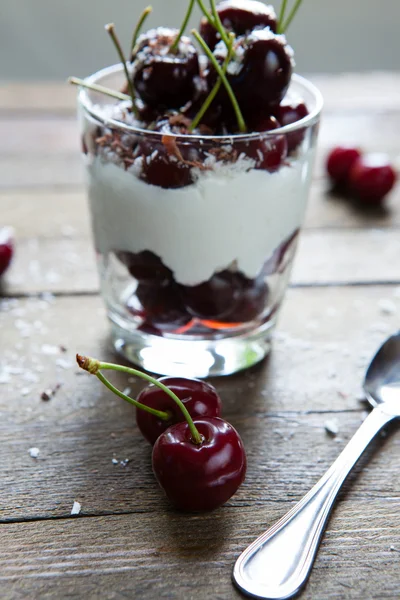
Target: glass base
[[192, 358]]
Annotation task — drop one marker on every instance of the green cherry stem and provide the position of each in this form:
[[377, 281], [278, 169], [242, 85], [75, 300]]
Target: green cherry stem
[[282, 13], [93, 366], [157, 413], [205, 12], [110, 28], [139, 26], [98, 88], [222, 76], [207, 102], [291, 16], [174, 46], [220, 28]]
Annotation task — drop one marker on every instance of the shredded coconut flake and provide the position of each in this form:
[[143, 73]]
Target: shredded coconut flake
[[34, 452], [76, 508]]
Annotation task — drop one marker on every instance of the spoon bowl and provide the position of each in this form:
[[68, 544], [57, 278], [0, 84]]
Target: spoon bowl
[[382, 379]]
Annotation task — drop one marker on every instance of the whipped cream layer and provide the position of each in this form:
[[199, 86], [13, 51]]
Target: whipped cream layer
[[231, 217]]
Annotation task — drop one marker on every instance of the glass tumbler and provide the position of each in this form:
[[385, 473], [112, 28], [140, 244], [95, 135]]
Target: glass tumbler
[[194, 235]]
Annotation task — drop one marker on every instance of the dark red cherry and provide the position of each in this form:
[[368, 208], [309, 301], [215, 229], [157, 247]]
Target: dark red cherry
[[160, 305], [277, 262], [6, 248], [252, 302], [239, 16], [200, 399], [199, 477], [164, 79], [260, 71], [339, 162], [145, 266], [213, 298], [288, 113], [268, 152], [371, 177]]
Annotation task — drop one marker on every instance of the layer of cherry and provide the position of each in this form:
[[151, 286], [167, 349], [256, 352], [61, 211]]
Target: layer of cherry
[[172, 86], [228, 298]]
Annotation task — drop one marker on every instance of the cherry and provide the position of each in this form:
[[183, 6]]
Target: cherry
[[267, 152], [160, 304], [6, 248], [200, 398], [277, 262], [199, 477], [252, 301], [339, 162], [145, 266], [371, 177], [164, 78], [239, 16], [213, 298], [288, 113], [200, 463], [260, 72]]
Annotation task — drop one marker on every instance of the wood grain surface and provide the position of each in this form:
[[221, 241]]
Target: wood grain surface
[[127, 542]]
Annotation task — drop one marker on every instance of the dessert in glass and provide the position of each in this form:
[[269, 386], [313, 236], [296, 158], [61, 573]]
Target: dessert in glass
[[198, 167]]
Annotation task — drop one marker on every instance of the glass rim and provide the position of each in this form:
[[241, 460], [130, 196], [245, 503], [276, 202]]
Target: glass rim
[[305, 122]]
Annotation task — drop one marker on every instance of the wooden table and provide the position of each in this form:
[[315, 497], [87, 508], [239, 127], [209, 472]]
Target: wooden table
[[127, 542]]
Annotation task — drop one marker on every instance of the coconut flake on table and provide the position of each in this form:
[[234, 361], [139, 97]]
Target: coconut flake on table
[[332, 426], [387, 306], [76, 508], [34, 452]]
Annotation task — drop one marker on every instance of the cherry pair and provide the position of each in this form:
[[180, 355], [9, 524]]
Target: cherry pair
[[198, 458], [367, 177]]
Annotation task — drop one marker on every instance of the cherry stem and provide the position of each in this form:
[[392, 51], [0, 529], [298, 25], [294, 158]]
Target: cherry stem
[[205, 12], [110, 28], [139, 26], [98, 88], [218, 25], [174, 46], [207, 102], [157, 413], [291, 16], [282, 15], [93, 366], [232, 97]]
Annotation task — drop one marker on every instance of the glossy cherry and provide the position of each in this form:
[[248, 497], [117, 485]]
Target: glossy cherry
[[339, 162], [200, 398], [6, 248], [267, 152], [288, 113], [214, 298], [145, 266], [260, 73], [204, 476], [160, 305], [371, 177], [239, 16], [163, 78], [252, 302]]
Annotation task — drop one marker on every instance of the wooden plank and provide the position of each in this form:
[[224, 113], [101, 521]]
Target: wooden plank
[[280, 407], [341, 92], [43, 96], [138, 556], [67, 264]]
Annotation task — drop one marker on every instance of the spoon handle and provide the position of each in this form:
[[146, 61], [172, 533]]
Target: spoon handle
[[278, 563]]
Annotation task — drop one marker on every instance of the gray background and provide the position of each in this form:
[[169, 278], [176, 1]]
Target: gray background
[[51, 39]]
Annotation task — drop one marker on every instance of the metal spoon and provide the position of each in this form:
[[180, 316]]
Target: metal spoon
[[279, 562]]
